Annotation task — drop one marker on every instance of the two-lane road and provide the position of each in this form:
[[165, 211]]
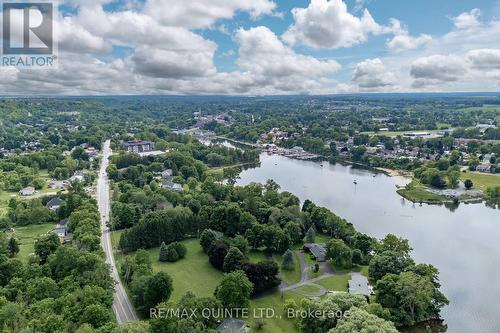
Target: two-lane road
[[123, 309]]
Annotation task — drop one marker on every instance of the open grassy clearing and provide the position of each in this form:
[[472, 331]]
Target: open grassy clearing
[[27, 236], [307, 288], [481, 181], [292, 276], [279, 322], [336, 282]]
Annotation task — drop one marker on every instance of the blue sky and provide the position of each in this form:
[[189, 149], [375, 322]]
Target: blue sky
[[266, 47]]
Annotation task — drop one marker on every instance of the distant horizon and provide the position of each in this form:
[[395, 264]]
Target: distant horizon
[[472, 94]]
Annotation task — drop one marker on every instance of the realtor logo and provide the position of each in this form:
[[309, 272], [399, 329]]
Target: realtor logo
[[28, 34]]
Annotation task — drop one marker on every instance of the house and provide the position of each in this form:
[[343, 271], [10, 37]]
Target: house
[[358, 285], [91, 151], [169, 185], [78, 176], [28, 191], [485, 167], [166, 173], [138, 146], [317, 250], [61, 229], [232, 325], [54, 203], [56, 184]]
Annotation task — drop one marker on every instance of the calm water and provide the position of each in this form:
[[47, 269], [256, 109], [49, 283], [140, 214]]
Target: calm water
[[464, 244]]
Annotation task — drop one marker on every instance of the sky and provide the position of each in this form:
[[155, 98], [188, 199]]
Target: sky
[[267, 47]]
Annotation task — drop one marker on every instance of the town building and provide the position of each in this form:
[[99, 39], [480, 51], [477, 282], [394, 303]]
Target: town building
[[138, 146]]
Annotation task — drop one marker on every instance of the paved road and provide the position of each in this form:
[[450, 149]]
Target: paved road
[[123, 309]]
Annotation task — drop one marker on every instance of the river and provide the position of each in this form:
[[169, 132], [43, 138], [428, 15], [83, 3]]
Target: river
[[463, 243]]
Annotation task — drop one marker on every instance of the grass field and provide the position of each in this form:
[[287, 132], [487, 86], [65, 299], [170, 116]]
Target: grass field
[[416, 192], [481, 181], [279, 322], [308, 288], [292, 276], [27, 236], [336, 282]]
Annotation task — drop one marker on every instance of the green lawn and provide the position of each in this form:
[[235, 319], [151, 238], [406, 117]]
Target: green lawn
[[481, 181], [416, 192], [308, 288], [336, 282], [279, 323], [292, 276], [27, 236]]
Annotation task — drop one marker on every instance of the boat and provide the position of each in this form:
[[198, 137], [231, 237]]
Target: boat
[[355, 182]]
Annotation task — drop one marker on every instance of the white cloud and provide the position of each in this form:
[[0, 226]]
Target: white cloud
[[72, 37], [484, 59], [468, 19], [407, 42], [203, 14], [373, 74], [261, 52], [328, 24], [439, 68]]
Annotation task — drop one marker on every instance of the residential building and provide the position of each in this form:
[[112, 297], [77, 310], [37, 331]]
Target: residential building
[[232, 325], [138, 146], [61, 229], [169, 185], [54, 203], [28, 191], [358, 285], [317, 250]]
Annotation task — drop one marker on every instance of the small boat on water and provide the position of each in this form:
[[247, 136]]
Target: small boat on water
[[355, 182]]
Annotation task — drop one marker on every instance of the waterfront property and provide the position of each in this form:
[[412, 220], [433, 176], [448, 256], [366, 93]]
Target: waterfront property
[[358, 285]]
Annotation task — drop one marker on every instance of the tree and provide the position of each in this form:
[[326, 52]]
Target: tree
[[163, 252], [388, 262], [288, 261], [172, 255], [180, 249], [234, 260], [410, 297], [96, 315], [241, 243], [206, 239], [232, 174], [468, 184], [234, 290], [263, 275], [217, 252], [13, 247], [339, 253], [150, 290], [359, 320], [46, 245], [310, 235]]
